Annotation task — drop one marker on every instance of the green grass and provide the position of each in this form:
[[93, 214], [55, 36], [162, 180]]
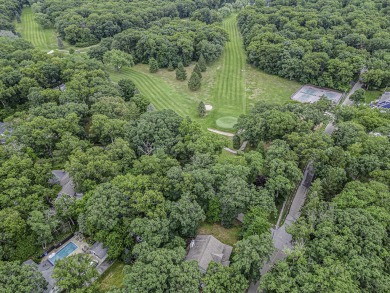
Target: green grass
[[226, 122], [43, 39], [230, 85], [112, 278], [226, 236], [372, 95], [157, 91]]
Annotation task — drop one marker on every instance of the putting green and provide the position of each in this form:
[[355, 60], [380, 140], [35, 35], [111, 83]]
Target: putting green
[[226, 122]]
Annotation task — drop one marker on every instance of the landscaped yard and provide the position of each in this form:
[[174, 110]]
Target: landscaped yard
[[112, 278], [226, 236]]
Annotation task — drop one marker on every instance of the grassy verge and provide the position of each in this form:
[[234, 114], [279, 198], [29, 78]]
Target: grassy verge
[[226, 236], [112, 278]]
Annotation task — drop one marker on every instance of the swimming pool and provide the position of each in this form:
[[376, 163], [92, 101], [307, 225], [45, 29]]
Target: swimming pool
[[64, 252]]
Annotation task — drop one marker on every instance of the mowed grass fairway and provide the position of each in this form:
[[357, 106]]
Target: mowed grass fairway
[[43, 39], [160, 94], [230, 85]]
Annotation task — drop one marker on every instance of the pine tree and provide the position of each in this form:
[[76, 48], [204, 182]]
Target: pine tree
[[202, 63], [153, 66], [201, 109], [194, 82], [170, 66], [197, 70], [181, 72]]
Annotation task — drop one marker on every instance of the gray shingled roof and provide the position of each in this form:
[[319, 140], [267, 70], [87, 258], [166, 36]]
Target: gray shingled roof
[[30, 262], [385, 97], [98, 250], [206, 248], [63, 179]]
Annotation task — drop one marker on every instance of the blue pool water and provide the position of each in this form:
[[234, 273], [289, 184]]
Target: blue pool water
[[64, 252]]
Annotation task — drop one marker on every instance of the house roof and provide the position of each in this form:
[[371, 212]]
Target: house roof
[[384, 101], [240, 217], [63, 179], [30, 262], [98, 250], [205, 248]]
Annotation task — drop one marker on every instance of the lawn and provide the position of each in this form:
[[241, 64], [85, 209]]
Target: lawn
[[226, 236], [43, 39], [112, 278], [372, 96], [230, 85]]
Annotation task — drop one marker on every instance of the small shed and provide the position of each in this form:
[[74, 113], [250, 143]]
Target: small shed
[[207, 248]]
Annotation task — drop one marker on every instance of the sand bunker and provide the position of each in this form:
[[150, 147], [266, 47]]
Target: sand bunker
[[208, 107]]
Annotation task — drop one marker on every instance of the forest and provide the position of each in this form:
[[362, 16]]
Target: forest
[[148, 179], [326, 43]]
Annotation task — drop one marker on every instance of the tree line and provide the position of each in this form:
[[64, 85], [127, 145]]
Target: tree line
[[168, 42], [325, 43], [90, 21], [9, 11]]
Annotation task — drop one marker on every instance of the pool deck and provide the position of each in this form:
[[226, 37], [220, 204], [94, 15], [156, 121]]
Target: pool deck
[[79, 244], [46, 267]]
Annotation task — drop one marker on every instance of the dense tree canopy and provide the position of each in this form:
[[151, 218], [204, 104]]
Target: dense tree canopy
[[326, 43], [20, 278], [147, 179], [90, 21]]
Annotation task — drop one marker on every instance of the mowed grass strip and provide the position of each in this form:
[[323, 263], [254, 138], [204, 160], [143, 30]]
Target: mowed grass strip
[[43, 39], [160, 94], [229, 92]]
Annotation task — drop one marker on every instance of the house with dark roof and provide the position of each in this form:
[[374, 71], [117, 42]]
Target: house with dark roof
[[207, 248], [46, 270]]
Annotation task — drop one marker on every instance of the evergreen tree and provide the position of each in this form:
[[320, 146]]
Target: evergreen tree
[[153, 66], [201, 109], [197, 70], [170, 66], [202, 63], [194, 82], [181, 72]]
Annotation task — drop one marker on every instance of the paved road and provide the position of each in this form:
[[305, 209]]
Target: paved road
[[280, 237], [347, 101]]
